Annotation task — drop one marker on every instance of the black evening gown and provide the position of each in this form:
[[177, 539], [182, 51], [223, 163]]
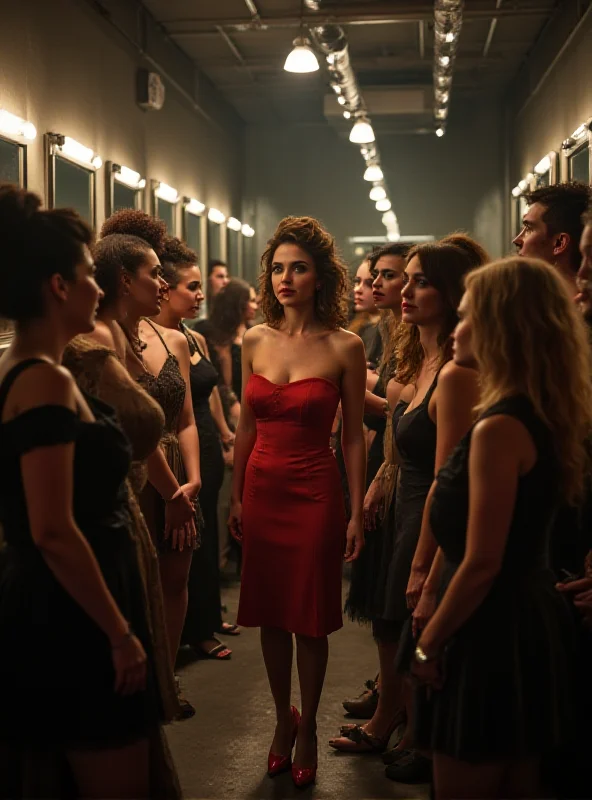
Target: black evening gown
[[56, 672], [360, 604], [509, 669], [204, 615], [415, 439]]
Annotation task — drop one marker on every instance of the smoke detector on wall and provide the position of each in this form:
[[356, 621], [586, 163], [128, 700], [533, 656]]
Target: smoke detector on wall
[[151, 90]]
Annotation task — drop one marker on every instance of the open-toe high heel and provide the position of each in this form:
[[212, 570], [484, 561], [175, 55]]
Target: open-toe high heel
[[277, 763]]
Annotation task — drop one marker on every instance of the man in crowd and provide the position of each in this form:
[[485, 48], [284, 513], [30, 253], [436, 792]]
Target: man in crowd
[[552, 226]]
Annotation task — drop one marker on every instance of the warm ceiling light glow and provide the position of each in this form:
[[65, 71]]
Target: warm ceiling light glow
[[247, 231], [543, 166], [373, 173], [377, 193], [341, 100], [12, 125], [129, 177], [347, 114], [383, 205], [362, 132], [336, 88], [439, 132], [516, 191], [523, 185], [216, 216], [166, 193], [301, 59], [233, 223], [450, 37], [195, 207], [97, 162], [444, 60]]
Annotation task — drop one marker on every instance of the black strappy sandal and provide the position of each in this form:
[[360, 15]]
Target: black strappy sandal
[[364, 742]]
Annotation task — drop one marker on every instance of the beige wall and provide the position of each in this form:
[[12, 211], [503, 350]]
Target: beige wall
[[561, 104], [68, 71]]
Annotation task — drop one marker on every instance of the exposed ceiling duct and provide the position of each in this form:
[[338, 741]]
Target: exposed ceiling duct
[[448, 18], [331, 41]]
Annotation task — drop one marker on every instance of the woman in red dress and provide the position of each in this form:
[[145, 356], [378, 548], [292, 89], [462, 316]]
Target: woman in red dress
[[287, 503]]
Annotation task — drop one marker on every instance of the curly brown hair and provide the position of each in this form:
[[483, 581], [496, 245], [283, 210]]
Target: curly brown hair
[[132, 222], [445, 267], [174, 256], [331, 298]]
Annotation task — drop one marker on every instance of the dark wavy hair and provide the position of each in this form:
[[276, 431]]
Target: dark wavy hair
[[36, 244], [132, 222], [564, 205], [478, 255], [228, 312], [113, 255], [175, 255], [331, 298], [445, 267]]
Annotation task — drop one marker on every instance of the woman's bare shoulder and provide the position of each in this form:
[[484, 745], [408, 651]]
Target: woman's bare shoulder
[[346, 342]]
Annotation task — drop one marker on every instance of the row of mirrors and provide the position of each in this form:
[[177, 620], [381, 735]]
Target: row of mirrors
[[573, 162], [72, 174]]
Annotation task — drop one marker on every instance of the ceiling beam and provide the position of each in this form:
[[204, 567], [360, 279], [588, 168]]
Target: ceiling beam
[[347, 15]]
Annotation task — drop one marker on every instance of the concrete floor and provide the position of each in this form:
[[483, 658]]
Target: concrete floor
[[222, 751]]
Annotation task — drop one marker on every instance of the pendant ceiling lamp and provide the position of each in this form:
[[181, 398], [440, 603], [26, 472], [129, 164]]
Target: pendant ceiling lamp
[[362, 132], [302, 58]]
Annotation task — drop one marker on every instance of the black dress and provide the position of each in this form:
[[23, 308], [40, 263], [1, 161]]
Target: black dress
[[360, 604], [508, 669], [204, 608], [415, 439], [56, 672]]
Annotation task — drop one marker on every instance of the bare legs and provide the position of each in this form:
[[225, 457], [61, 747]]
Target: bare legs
[[174, 575], [312, 654]]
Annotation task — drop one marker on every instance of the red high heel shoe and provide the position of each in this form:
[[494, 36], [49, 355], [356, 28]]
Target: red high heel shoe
[[304, 776], [277, 763]]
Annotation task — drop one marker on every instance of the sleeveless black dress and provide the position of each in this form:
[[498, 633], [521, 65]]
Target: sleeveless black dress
[[415, 440], [509, 669], [360, 604], [56, 672], [204, 608]]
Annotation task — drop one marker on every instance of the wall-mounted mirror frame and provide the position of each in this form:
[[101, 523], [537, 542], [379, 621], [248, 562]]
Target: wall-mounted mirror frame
[[546, 177], [64, 155], [13, 155], [124, 188], [165, 201], [195, 236], [576, 152], [15, 135], [13, 161]]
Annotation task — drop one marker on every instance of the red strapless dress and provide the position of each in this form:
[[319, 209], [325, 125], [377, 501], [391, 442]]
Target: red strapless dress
[[294, 521]]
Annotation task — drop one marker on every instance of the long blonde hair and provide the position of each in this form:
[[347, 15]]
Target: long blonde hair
[[529, 338]]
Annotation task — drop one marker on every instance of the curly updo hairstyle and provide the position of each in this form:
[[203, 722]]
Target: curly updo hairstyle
[[175, 255], [132, 222], [331, 298], [36, 244], [113, 255]]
